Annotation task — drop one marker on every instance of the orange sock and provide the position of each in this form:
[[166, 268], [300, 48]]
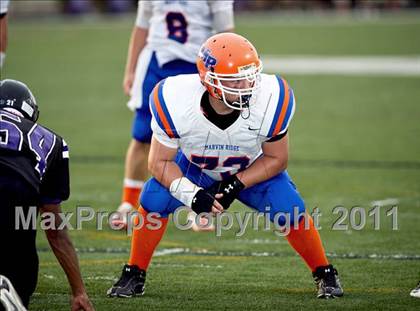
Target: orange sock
[[131, 195], [308, 244], [145, 240]]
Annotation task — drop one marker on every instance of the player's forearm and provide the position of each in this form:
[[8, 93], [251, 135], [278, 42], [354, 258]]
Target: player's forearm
[[65, 253], [137, 43], [262, 169], [165, 171], [168, 173]]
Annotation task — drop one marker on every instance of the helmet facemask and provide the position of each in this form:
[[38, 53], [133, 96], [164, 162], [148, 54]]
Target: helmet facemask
[[250, 73]]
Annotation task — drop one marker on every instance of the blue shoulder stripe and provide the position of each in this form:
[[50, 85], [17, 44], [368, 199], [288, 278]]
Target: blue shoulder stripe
[[160, 111], [284, 108], [289, 111]]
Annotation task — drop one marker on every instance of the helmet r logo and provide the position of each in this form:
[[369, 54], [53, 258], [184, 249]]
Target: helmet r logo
[[208, 59]]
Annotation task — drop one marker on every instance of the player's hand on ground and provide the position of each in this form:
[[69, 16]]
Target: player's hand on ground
[[128, 83], [81, 302]]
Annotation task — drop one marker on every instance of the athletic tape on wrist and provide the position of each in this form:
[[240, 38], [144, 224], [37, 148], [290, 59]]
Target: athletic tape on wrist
[[184, 190]]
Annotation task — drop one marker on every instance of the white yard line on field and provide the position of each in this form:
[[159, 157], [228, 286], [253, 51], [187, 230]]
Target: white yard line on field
[[343, 65], [206, 252], [169, 251]]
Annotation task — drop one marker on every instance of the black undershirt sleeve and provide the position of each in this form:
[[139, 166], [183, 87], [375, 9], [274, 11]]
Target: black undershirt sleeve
[[277, 137]]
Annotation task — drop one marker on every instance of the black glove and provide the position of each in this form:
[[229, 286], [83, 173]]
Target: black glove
[[202, 202], [230, 189]]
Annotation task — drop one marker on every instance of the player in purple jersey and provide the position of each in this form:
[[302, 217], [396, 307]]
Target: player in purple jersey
[[34, 166]]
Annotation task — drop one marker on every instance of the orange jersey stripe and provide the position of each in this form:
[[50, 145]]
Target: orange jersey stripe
[[283, 108], [161, 113]]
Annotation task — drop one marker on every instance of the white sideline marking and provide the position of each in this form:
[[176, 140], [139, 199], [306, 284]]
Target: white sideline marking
[[385, 202], [260, 241], [273, 254], [103, 277], [113, 278], [205, 252], [169, 251], [187, 266], [344, 65]]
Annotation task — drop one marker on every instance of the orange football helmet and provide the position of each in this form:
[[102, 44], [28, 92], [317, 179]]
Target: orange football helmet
[[229, 57]]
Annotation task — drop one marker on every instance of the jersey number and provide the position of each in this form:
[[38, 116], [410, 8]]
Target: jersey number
[[41, 141], [11, 136], [177, 27], [210, 163]]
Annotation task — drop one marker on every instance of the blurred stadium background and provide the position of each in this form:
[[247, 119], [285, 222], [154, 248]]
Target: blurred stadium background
[[77, 7], [354, 142]]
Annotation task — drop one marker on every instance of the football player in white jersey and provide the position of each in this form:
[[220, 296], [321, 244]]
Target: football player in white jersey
[[164, 42], [4, 5], [218, 136]]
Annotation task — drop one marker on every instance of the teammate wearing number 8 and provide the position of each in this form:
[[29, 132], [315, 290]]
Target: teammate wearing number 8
[[218, 136], [164, 42]]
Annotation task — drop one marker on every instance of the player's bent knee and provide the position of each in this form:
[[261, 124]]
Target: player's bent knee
[[141, 130], [288, 213], [156, 198]]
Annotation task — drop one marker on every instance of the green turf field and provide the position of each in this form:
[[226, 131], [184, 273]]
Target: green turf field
[[354, 140]]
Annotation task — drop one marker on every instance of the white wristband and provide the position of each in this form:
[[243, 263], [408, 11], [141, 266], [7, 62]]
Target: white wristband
[[2, 58], [184, 190]]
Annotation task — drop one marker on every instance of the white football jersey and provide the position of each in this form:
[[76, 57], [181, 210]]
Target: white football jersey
[[4, 4], [178, 122], [177, 28]]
